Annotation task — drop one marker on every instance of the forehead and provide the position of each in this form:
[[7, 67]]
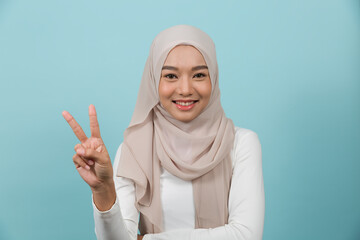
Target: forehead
[[183, 56]]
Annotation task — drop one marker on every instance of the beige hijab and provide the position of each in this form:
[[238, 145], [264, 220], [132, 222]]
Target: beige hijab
[[198, 150]]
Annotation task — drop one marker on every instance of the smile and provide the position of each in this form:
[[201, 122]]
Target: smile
[[185, 105]]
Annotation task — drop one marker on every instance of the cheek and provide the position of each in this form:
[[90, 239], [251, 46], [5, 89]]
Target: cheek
[[165, 90], [205, 90]]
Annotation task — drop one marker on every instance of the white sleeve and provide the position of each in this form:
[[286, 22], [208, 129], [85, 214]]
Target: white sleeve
[[246, 198], [121, 221]]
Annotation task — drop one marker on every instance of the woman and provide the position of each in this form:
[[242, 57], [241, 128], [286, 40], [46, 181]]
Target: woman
[[183, 166]]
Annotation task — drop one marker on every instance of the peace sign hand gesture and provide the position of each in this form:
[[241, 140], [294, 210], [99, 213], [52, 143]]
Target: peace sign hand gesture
[[92, 160]]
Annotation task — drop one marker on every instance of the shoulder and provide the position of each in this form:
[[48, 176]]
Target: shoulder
[[246, 146], [243, 135]]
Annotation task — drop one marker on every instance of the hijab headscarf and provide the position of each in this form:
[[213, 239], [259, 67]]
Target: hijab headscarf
[[197, 151]]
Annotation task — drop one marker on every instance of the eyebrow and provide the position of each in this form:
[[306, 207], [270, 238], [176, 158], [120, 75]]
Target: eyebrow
[[193, 69]]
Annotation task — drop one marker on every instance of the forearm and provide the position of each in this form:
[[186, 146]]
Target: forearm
[[246, 199], [228, 232], [121, 220], [111, 225]]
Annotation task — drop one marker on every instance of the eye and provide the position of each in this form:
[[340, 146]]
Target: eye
[[199, 75], [170, 76]]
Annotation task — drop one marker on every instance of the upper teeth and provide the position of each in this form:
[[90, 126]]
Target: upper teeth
[[185, 103]]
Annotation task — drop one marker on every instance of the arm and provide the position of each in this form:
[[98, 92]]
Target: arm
[[93, 164], [121, 221], [246, 198]]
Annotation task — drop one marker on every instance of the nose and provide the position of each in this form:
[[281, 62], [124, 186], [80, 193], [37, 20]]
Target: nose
[[185, 86]]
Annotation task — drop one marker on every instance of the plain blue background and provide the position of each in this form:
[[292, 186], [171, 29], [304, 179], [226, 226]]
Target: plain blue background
[[289, 70]]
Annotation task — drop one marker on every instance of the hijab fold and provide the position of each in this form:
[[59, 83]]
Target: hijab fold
[[197, 151]]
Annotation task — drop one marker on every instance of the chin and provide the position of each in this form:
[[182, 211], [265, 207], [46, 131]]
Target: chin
[[183, 118]]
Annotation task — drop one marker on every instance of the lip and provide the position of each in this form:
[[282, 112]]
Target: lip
[[185, 108], [185, 100]]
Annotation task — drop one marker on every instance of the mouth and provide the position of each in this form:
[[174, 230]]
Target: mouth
[[185, 105]]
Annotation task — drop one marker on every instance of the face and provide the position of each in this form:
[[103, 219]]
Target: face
[[185, 85]]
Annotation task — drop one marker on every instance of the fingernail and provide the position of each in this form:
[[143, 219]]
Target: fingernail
[[90, 162], [80, 151], [66, 115], [87, 167]]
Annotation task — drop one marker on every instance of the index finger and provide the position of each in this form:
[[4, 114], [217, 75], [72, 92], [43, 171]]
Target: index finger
[[94, 125], [75, 126]]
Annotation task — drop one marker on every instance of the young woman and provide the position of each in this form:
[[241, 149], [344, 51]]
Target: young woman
[[184, 171]]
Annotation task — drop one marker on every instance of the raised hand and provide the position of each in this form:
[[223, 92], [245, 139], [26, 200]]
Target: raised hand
[[91, 159]]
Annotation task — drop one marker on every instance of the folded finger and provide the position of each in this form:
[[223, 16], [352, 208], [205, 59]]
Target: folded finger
[[77, 146], [79, 162], [88, 153]]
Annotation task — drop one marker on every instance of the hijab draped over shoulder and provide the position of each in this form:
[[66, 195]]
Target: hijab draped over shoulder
[[197, 151]]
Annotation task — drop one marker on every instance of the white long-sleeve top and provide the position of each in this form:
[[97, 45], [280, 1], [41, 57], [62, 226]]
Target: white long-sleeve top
[[246, 202]]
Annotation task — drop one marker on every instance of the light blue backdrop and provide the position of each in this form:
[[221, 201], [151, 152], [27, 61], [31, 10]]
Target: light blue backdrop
[[289, 70]]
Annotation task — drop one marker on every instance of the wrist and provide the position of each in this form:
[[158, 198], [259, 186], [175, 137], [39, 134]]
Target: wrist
[[103, 187], [104, 197]]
